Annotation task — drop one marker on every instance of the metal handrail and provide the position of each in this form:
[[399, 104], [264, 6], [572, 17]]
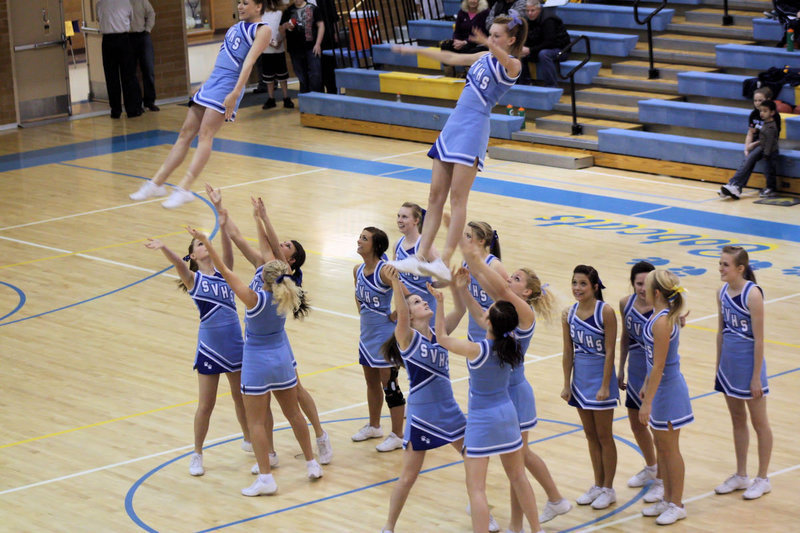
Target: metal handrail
[[653, 72], [727, 20], [577, 129]]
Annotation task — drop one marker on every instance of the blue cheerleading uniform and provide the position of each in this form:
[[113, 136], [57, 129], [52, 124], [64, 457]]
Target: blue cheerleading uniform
[[637, 359], [671, 404], [736, 355], [589, 351], [492, 423], [415, 284], [234, 49], [267, 363], [433, 418], [465, 135], [519, 389], [256, 285], [476, 332], [219, 339], [375, 304]]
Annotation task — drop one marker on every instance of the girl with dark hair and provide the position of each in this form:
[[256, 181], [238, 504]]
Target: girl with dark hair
[[219, 340], [409, 221], [373, 281], [487, 245], [461, 147], [214, 103], [741, 368], [666, 405], [493, 426], [293, 254], [635, 312], [590, 333], [267, 359], [525, 291]]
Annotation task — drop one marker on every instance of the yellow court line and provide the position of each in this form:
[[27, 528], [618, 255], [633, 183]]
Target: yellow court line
[[151, 411], [713, 330]]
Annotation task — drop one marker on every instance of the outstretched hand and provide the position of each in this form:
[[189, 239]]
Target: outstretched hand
[[214, 195], [437, 294], [197, 234], [404, 49], [391, 273], [479, 37], [222, 216], [259, 209], [154, 244], [461, 277]]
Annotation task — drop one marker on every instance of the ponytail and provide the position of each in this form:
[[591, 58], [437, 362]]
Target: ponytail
[[391, 351], [542, 300], [192, 266], [287, 294], [483, 232], [669, 285], [504, 320]]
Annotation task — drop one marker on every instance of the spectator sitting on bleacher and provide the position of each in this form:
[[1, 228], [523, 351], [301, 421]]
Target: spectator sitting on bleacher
[[547, 35], [430, 9], [502, 7], [788, 13], [471, 15], [761, 142]]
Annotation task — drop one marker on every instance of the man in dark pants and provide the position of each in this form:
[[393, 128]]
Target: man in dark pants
[[329, 41], [118, 59], [547, 35], [142, 22]]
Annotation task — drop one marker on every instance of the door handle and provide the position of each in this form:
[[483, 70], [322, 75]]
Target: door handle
[[34, 46]]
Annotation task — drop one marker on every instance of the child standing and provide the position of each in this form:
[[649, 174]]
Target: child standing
[[273, 60], [761, 142], [304, 30]]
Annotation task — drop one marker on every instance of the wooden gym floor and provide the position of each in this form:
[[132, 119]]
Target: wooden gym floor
[[98, 394]]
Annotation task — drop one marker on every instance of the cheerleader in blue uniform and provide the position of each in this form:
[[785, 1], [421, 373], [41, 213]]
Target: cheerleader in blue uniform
[[409, 221], [219, 340], [741, 369], [486, 244], [666, 405], [373, 281], [433, 418], [529, 297], [461, 147], [493, 427], [635, 312], [220, 95], [590, 334], [267, 360], [294, 255]]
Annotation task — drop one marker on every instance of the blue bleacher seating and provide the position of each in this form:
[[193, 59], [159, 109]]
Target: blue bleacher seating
[[611, 16], [791, 124], [758, 58], [451, 7], [691, 115], [396, 113], [586, 74], [718, 85], [767, 30], [430, 30]]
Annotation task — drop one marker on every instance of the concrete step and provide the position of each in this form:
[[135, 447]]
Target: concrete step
[[563, 123], [667, 71], [744, 5], [593, 110], [606, 78], [604, 95], [714, 16], [694, 43], [675, 56], [679, 25], [541, 156]]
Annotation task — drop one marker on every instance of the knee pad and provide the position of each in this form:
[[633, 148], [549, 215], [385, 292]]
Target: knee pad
[[392, 392]]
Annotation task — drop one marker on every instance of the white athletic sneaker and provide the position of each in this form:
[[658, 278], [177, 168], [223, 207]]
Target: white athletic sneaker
[[494, 527], [247, 446], [409, 265], [324, 449], [392, 442], [656, 509], [731, 190], [671, 515], [656, 492], [367, 432], [608, 497], [196, 465], [643, 476], [759, 487], [735, 482], [264, 484], [552, 510], [148, 190], [178, 198], [313, 469], [273, 463], [437, 269], [589, 496]]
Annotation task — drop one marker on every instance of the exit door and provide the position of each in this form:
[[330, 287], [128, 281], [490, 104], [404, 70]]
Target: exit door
[[41, 71]]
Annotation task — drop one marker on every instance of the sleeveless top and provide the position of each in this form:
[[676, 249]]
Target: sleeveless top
[[214, 299], [476, 333], [428, 367], [588, 336], [415, 284], [736, 313], [672, 365], [373, 295], [236, 45], [263, 319], [634, 323], [487, 82]]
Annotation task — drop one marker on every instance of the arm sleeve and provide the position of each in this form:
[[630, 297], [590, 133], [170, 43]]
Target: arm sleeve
[[461, 30], [149, 17], [769, 140]]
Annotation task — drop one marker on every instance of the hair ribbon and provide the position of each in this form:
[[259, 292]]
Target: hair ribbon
[[282, 277], [675, 292], [543, 287], [187, 257], [297, 277], [600, 283], [494, 238], [515, 18]]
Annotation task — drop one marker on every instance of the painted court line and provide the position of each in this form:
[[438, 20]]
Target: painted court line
[[645, 180], [651, 211]]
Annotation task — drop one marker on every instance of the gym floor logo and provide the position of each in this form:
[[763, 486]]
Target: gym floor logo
[[697, 244]]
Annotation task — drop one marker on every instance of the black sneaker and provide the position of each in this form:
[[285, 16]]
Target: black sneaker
[[766, 192], [288, 104], [260, 89], [152, 107], [269, 104]]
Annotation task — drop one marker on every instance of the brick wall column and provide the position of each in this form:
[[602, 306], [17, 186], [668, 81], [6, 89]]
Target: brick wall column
[[8, 110], [171, 54]]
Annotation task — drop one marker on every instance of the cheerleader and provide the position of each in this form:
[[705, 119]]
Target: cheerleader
[[492, 426], [635, 312], [529, 297], [666, 405], [461, 147], [215, 102], [590, 333], [267, 360], [219, 340], [409, 221], [741, 369], [373, 281], [481, 239]]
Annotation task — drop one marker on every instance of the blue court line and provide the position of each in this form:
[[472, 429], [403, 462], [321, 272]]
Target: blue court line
[[577, 427], [19, 304], [582, 200]]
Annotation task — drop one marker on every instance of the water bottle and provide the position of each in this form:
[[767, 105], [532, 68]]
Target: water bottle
[[790, 40], [510, 110], [398, 99], [521, 113]]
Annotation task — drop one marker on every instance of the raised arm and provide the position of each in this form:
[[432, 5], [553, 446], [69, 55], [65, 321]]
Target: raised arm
[[215, 195], [248, 297], [468, 349], [267, 237], [511, 64], [461, 297], [661, 331], [402, 329], [610, 329], [624, 341], [186, 275], [263, 35], [442, 56], [567, 357]]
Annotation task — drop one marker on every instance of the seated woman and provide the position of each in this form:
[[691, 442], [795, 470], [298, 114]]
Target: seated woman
[[471, 15]]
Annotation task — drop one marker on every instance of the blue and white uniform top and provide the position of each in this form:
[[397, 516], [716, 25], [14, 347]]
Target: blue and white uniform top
[[475, 332], [637, 365], [373, 295], [487, 82], [736, 313], [214, 299], [524, 337], [588, 336], [519, 389], [589, 354], [236, 45], [415, 284], [263, 319], [256, 285], [672, 364]]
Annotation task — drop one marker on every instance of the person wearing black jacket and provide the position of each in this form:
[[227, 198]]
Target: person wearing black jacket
[[547, 35]]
